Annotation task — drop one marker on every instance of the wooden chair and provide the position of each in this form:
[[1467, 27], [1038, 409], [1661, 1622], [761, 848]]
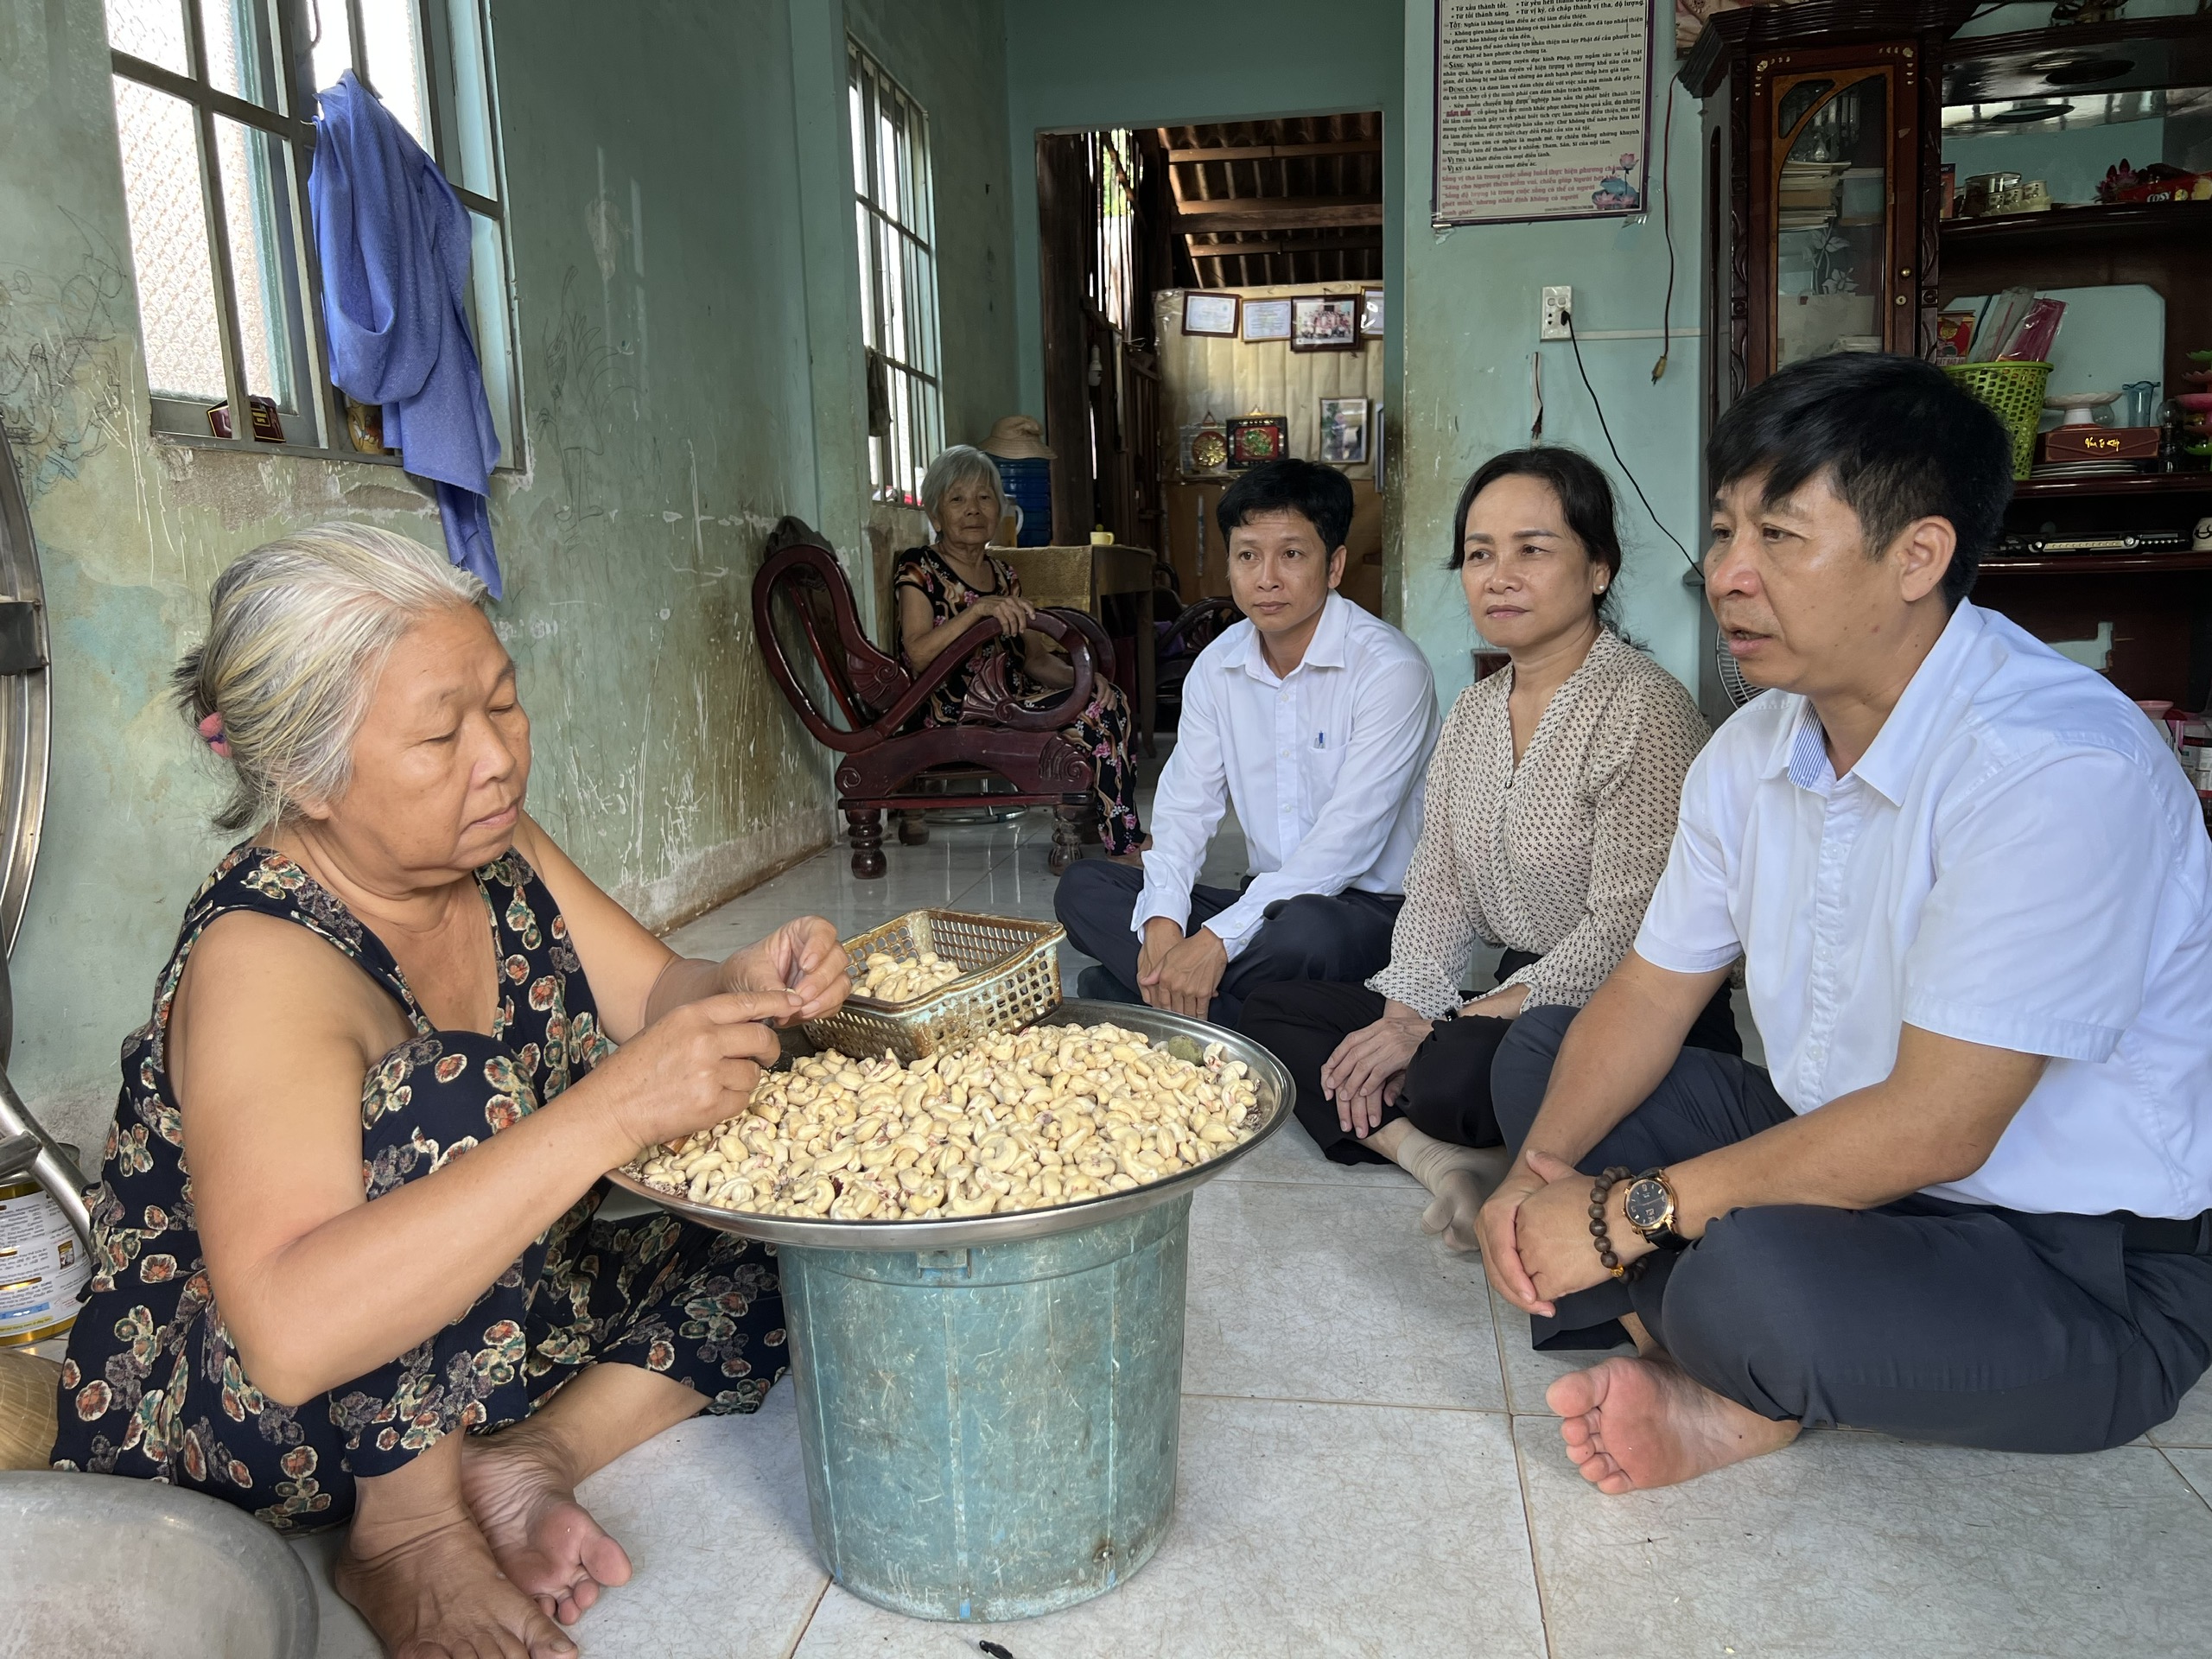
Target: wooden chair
[[865, 705]]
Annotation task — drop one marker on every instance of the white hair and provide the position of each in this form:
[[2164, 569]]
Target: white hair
[[297, 634], [962, 464]]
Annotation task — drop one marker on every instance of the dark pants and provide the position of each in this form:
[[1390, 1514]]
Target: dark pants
[[1346, 936], [1446, 1094], [1927, 1320]]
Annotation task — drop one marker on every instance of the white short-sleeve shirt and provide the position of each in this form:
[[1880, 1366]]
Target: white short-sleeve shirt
[[2017, 860]]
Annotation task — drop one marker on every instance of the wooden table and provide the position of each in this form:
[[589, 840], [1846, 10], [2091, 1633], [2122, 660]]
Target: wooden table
[[1082, 579]]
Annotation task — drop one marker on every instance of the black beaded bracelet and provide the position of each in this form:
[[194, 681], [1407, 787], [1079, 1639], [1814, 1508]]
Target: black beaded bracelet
[[1600, 1191]]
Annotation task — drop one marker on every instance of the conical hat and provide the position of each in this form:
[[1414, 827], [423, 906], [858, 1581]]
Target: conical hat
[[1017, 437]]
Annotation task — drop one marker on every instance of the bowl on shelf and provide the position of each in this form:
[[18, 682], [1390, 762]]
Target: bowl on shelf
[[2079, 407]]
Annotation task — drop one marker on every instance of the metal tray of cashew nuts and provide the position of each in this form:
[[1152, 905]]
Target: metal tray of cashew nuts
[[1272, 1086]]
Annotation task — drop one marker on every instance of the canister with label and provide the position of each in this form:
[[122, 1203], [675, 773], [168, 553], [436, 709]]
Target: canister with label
[[44, 1264]]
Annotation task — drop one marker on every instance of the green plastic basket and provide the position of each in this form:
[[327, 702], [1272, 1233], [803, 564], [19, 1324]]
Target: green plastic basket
[[2015, 391]]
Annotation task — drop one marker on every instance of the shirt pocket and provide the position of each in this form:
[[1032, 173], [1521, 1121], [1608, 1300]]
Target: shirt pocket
[[1320, 758]]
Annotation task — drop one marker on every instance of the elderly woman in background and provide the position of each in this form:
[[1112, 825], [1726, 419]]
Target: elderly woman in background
[[1550, 808], [384, 1048], [936, 588]]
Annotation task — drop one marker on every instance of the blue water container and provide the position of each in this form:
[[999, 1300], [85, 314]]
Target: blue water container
[[1028, 483], [990, 1433]]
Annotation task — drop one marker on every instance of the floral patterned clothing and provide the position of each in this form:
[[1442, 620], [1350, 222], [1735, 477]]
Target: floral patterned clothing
[[152, 1385], [1101, 731]]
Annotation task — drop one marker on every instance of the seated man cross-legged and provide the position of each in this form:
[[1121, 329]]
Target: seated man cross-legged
[[1972, 1201], [1314, 721]]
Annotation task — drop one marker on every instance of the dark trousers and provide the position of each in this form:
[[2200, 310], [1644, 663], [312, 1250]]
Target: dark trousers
[[1345, 937], [1446, 1094], [1923, 1319]]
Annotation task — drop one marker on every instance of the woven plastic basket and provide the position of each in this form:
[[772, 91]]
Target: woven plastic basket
[[2015, 391], [1010, 975]]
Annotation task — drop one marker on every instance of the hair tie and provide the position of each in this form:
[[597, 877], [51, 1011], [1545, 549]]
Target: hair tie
[[211, 732]]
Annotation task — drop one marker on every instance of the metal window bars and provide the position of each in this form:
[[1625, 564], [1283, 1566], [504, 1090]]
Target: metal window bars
[[894, 213]]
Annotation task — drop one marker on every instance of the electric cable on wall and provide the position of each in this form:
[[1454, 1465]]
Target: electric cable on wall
[[1575, 341]]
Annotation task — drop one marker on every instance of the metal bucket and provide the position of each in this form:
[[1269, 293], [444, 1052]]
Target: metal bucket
[[989, 1408]]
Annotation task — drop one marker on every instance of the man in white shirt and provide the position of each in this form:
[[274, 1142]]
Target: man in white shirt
[[1314, 721], [1972, 891]]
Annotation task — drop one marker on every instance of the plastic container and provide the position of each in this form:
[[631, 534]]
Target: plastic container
[[2015, 391], [990, 1433], [44, 1264], [1010, 977], [1028, 482]]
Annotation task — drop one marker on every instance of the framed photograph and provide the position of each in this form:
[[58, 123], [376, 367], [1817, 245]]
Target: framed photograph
[[1344, 430], [1370, 313], [1256, 438], [1266, 319], [1325, 322], [1210, 314]]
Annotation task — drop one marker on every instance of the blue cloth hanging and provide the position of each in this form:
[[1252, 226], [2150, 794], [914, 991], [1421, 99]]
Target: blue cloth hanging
[[394, 241]]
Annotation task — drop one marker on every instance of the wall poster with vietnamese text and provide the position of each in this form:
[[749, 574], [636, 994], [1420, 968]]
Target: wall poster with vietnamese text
[[1543, 109]]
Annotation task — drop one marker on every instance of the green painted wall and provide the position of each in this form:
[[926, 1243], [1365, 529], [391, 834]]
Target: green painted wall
[[680, 206], [1470, 311]]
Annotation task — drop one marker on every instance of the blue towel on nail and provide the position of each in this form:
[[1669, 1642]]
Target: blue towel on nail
[[394, 241]]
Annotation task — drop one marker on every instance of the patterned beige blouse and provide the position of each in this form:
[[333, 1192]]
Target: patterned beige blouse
[[1558, 856]]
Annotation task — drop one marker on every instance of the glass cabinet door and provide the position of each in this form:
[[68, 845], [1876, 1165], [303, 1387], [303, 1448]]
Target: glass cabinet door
[[1831, 209]]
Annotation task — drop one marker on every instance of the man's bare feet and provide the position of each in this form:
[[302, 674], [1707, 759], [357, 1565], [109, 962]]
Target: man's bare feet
[[438, 1594], [1631, 1424], [517, 1485]]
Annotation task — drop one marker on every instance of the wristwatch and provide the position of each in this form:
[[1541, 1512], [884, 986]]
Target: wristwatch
[[1648, 1203]]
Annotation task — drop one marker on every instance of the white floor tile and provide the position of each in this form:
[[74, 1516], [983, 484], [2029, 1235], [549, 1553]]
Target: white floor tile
[[1301, 1292], [1528, 1372], [2196, 1465], [1300, 1530], [713, 1515], [2192, 1424], [1289, 1155], [1856, 1544]]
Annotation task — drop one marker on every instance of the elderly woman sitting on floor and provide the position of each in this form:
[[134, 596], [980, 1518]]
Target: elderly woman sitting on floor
[[338, 1313], [938, 586]]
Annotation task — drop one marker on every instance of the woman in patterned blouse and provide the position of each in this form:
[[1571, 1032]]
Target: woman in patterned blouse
[[1550, 807], [385, 1041]]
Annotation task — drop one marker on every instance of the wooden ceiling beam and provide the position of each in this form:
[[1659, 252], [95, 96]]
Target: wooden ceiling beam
[[1277, 152], [1316, 244], [1277, 213]]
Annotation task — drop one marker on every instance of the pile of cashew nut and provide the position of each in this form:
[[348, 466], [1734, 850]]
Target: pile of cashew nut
[[1044, 1116], [888, 980]]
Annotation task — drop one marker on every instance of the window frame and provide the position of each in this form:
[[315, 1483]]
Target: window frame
[[284, 46], [867, 79]]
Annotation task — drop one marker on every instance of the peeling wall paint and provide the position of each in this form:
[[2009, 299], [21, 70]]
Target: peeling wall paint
[[682, 366]]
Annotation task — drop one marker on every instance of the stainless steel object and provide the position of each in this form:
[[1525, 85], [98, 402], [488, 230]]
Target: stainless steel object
[[1276, 1096], [26, 714], [97, 1564]]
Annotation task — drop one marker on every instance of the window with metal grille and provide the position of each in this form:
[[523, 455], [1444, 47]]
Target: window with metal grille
[[214, 105], [890, 190]]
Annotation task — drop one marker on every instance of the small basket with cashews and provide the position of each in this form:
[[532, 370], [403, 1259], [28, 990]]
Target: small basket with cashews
[[983, 1106]]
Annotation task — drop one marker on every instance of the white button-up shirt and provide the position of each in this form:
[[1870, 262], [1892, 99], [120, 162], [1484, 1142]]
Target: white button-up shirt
[[2017, 860], [1323, 766]]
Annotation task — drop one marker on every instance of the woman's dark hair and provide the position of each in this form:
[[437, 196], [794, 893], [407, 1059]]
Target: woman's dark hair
[[1897, 438], [1321, 494], [1585, 499]]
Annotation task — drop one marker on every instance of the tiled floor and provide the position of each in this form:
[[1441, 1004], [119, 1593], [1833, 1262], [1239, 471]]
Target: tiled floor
[[1368, 1467]]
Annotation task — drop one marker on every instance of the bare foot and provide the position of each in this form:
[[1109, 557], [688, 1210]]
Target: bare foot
[[1631, 1424], [1458, 1200], [520, 1491], [440, 1595]]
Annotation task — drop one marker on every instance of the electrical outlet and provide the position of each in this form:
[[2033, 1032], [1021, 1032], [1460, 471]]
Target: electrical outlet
[[1559, 304]]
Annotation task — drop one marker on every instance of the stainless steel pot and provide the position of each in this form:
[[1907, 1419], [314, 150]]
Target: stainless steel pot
[[1276, 1096]]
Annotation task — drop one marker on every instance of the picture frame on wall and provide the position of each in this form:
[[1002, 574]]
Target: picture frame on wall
[[1325, 322], [1266, 319], [1344, 431], [1370, 313], [1212, 314]]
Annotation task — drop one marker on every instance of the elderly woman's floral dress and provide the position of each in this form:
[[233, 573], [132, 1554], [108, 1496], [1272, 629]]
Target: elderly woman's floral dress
[[1101, 731], [152, 1385]]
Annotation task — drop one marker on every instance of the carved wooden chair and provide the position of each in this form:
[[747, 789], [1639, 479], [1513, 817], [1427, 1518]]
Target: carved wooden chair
[[864, 704]]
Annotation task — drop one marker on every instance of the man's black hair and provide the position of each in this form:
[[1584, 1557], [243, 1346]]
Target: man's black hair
[[1898, 439], [1321, 494]]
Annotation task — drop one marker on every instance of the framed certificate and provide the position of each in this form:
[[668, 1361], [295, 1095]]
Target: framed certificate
[[1210, 314], [1266, 319]]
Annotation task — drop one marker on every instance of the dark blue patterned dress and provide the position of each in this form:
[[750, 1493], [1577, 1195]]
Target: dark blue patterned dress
[[152, 1385]]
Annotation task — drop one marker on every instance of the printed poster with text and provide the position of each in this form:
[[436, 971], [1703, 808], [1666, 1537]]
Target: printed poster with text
[[1543, 109]]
